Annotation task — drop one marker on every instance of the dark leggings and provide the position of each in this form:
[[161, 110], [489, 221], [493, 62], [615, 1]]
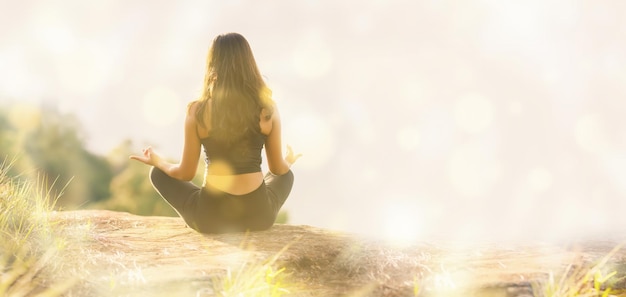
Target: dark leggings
[[209, 210]]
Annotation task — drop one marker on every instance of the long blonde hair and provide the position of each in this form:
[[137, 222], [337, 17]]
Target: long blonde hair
[[236, 88]]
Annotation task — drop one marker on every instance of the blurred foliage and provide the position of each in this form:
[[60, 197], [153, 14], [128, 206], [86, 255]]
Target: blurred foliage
[[282, 217], [46, 145], [130, 187]]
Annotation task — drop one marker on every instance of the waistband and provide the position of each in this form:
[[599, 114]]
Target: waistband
[[215, 192]]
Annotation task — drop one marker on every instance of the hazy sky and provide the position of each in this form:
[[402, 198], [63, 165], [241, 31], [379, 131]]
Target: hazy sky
[[468, 119]]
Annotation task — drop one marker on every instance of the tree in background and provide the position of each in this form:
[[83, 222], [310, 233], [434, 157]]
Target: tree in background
[[48, 146], [45, 144], [132, 191], [14, 124], [130, 188]]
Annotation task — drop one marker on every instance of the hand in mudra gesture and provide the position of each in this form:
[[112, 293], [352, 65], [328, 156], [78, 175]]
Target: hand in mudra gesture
[[149, 157], [291, 158]]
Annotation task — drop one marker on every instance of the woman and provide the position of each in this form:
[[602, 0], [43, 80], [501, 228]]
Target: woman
[[233, 120]]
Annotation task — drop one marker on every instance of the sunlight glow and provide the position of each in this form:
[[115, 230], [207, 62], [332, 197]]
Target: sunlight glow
[[408, 138], [568, 222], [161, 106], [449, 283], [24, 117], [472, 171], [359, 116], [540, 179], [313, 137], [278, 93], [473, 113], [496, 108], [222, 172], [513, 26], [52, 30], [516, 108], [436, 133], [174, 54], [56, 38], [400, 224], [415, 92], [361, 23], [312, 57], [82, 71], [369, 174], [194, 16], [615, 165], [15, 80], [591, 134], [551, 76], [442, 281]]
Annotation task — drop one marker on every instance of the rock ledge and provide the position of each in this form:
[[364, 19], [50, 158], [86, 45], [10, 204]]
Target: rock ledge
[[128, 255]]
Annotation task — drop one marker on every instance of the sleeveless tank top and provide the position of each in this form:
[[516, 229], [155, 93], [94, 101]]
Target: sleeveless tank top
[[240, 157]]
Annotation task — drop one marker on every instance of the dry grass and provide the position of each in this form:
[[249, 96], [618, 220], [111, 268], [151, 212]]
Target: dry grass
[[120, 257], [29, 245], [582, 280], [254, 278], [157, 256], [103, 253]]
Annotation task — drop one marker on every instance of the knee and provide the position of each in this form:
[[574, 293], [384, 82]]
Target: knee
[[288, 177], [156, 175], [289, 174]]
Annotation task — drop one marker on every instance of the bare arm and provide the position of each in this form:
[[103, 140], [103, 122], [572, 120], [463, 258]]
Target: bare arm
[[273, 149], [186, 169]]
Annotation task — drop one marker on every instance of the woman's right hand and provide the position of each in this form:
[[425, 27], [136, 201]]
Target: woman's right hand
[[291, 158], [148, 157]]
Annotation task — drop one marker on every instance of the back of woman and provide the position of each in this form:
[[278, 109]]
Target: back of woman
[[233, 120]]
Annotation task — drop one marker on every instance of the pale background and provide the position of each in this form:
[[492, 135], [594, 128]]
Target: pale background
[[417, 119]]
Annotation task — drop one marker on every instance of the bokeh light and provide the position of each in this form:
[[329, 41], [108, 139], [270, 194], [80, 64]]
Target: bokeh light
[[473, 113], [500, 109], [401, 223]]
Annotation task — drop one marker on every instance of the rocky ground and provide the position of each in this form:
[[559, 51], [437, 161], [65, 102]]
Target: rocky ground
[[119, 254]]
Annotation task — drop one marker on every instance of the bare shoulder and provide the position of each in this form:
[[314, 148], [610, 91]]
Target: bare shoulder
[[266, 114], [192, 108], [267, 119], [201, 126]]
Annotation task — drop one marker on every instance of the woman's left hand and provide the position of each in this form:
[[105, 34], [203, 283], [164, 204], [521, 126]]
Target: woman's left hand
[[291, 157], [149, 157]]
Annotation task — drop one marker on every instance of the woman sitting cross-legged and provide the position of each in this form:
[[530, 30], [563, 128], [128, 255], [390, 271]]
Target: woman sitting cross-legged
[[232, 121]]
